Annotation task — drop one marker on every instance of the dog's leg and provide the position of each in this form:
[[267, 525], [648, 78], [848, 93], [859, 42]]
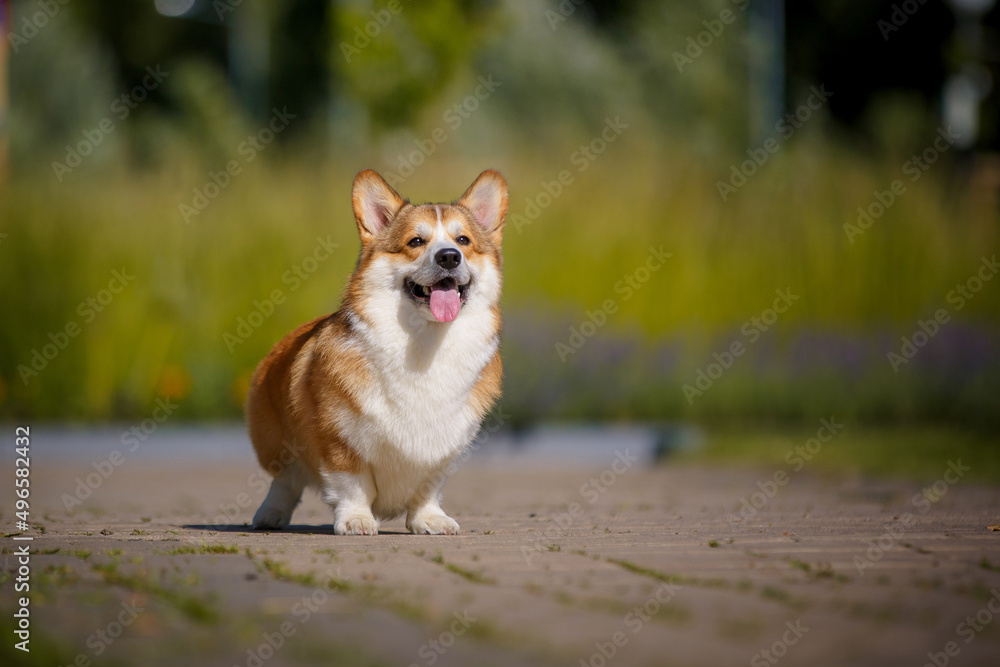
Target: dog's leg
[[424, 515], [351, 495], [286, 491]]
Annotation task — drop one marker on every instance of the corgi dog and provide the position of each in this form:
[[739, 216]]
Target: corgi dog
[[373, 403]]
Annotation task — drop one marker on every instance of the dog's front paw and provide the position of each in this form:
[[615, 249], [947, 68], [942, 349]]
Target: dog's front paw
[[432, 523], [356, 524], [270, 518]]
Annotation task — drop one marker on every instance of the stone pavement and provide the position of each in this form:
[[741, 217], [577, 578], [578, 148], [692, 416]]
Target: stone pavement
[[555, 565]]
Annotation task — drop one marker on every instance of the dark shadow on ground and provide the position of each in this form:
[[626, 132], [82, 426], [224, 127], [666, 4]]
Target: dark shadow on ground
[[297, 529]]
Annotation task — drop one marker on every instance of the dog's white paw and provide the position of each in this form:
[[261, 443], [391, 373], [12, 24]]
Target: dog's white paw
[[271, 518], [356, 524], [432, 523]]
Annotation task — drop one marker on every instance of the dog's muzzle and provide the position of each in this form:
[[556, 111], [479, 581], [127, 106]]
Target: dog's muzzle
[[445, 297]]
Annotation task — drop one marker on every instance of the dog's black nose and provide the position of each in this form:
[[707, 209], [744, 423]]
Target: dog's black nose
[[448, 258]]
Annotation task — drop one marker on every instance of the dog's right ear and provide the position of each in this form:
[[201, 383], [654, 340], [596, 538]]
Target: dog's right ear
[[375, 204]]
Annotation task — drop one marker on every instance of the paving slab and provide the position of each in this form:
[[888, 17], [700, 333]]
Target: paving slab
[[555, 565]]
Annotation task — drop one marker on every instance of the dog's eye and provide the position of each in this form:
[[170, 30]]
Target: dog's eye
[[415, 242], [463, 240]]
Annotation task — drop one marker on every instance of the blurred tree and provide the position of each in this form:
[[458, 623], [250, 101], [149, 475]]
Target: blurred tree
[[300, 76], [4, 127], [385, 61], [140, 37], [394, 57], [61, 85], [840, 44], [871, 54]]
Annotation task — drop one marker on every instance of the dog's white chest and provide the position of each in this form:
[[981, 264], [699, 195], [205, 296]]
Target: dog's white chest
[[416, 415]]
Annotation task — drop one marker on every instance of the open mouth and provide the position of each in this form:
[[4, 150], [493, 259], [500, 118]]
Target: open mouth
[[445, 297]]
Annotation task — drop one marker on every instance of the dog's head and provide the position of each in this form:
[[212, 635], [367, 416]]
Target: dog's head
[[440, 258]]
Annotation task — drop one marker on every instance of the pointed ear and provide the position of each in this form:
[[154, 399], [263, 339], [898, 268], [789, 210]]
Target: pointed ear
[[486, 199], [375, 204]]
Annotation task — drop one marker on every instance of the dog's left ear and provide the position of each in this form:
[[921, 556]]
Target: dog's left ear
[[375, 204], [486, 199]]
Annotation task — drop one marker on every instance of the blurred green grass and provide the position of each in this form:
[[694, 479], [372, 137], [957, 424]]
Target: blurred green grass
[[902, 452], [164, 334]]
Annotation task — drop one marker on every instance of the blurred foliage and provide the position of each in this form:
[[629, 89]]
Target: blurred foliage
[[200, 275], [197, 285], [61, 82], [911, 453], [395, 57]]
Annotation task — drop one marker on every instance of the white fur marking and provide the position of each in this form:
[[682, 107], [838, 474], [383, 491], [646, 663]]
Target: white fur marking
[[351, 496], [401, 434]]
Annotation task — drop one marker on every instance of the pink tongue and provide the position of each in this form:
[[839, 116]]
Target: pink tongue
[[445, 304]]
